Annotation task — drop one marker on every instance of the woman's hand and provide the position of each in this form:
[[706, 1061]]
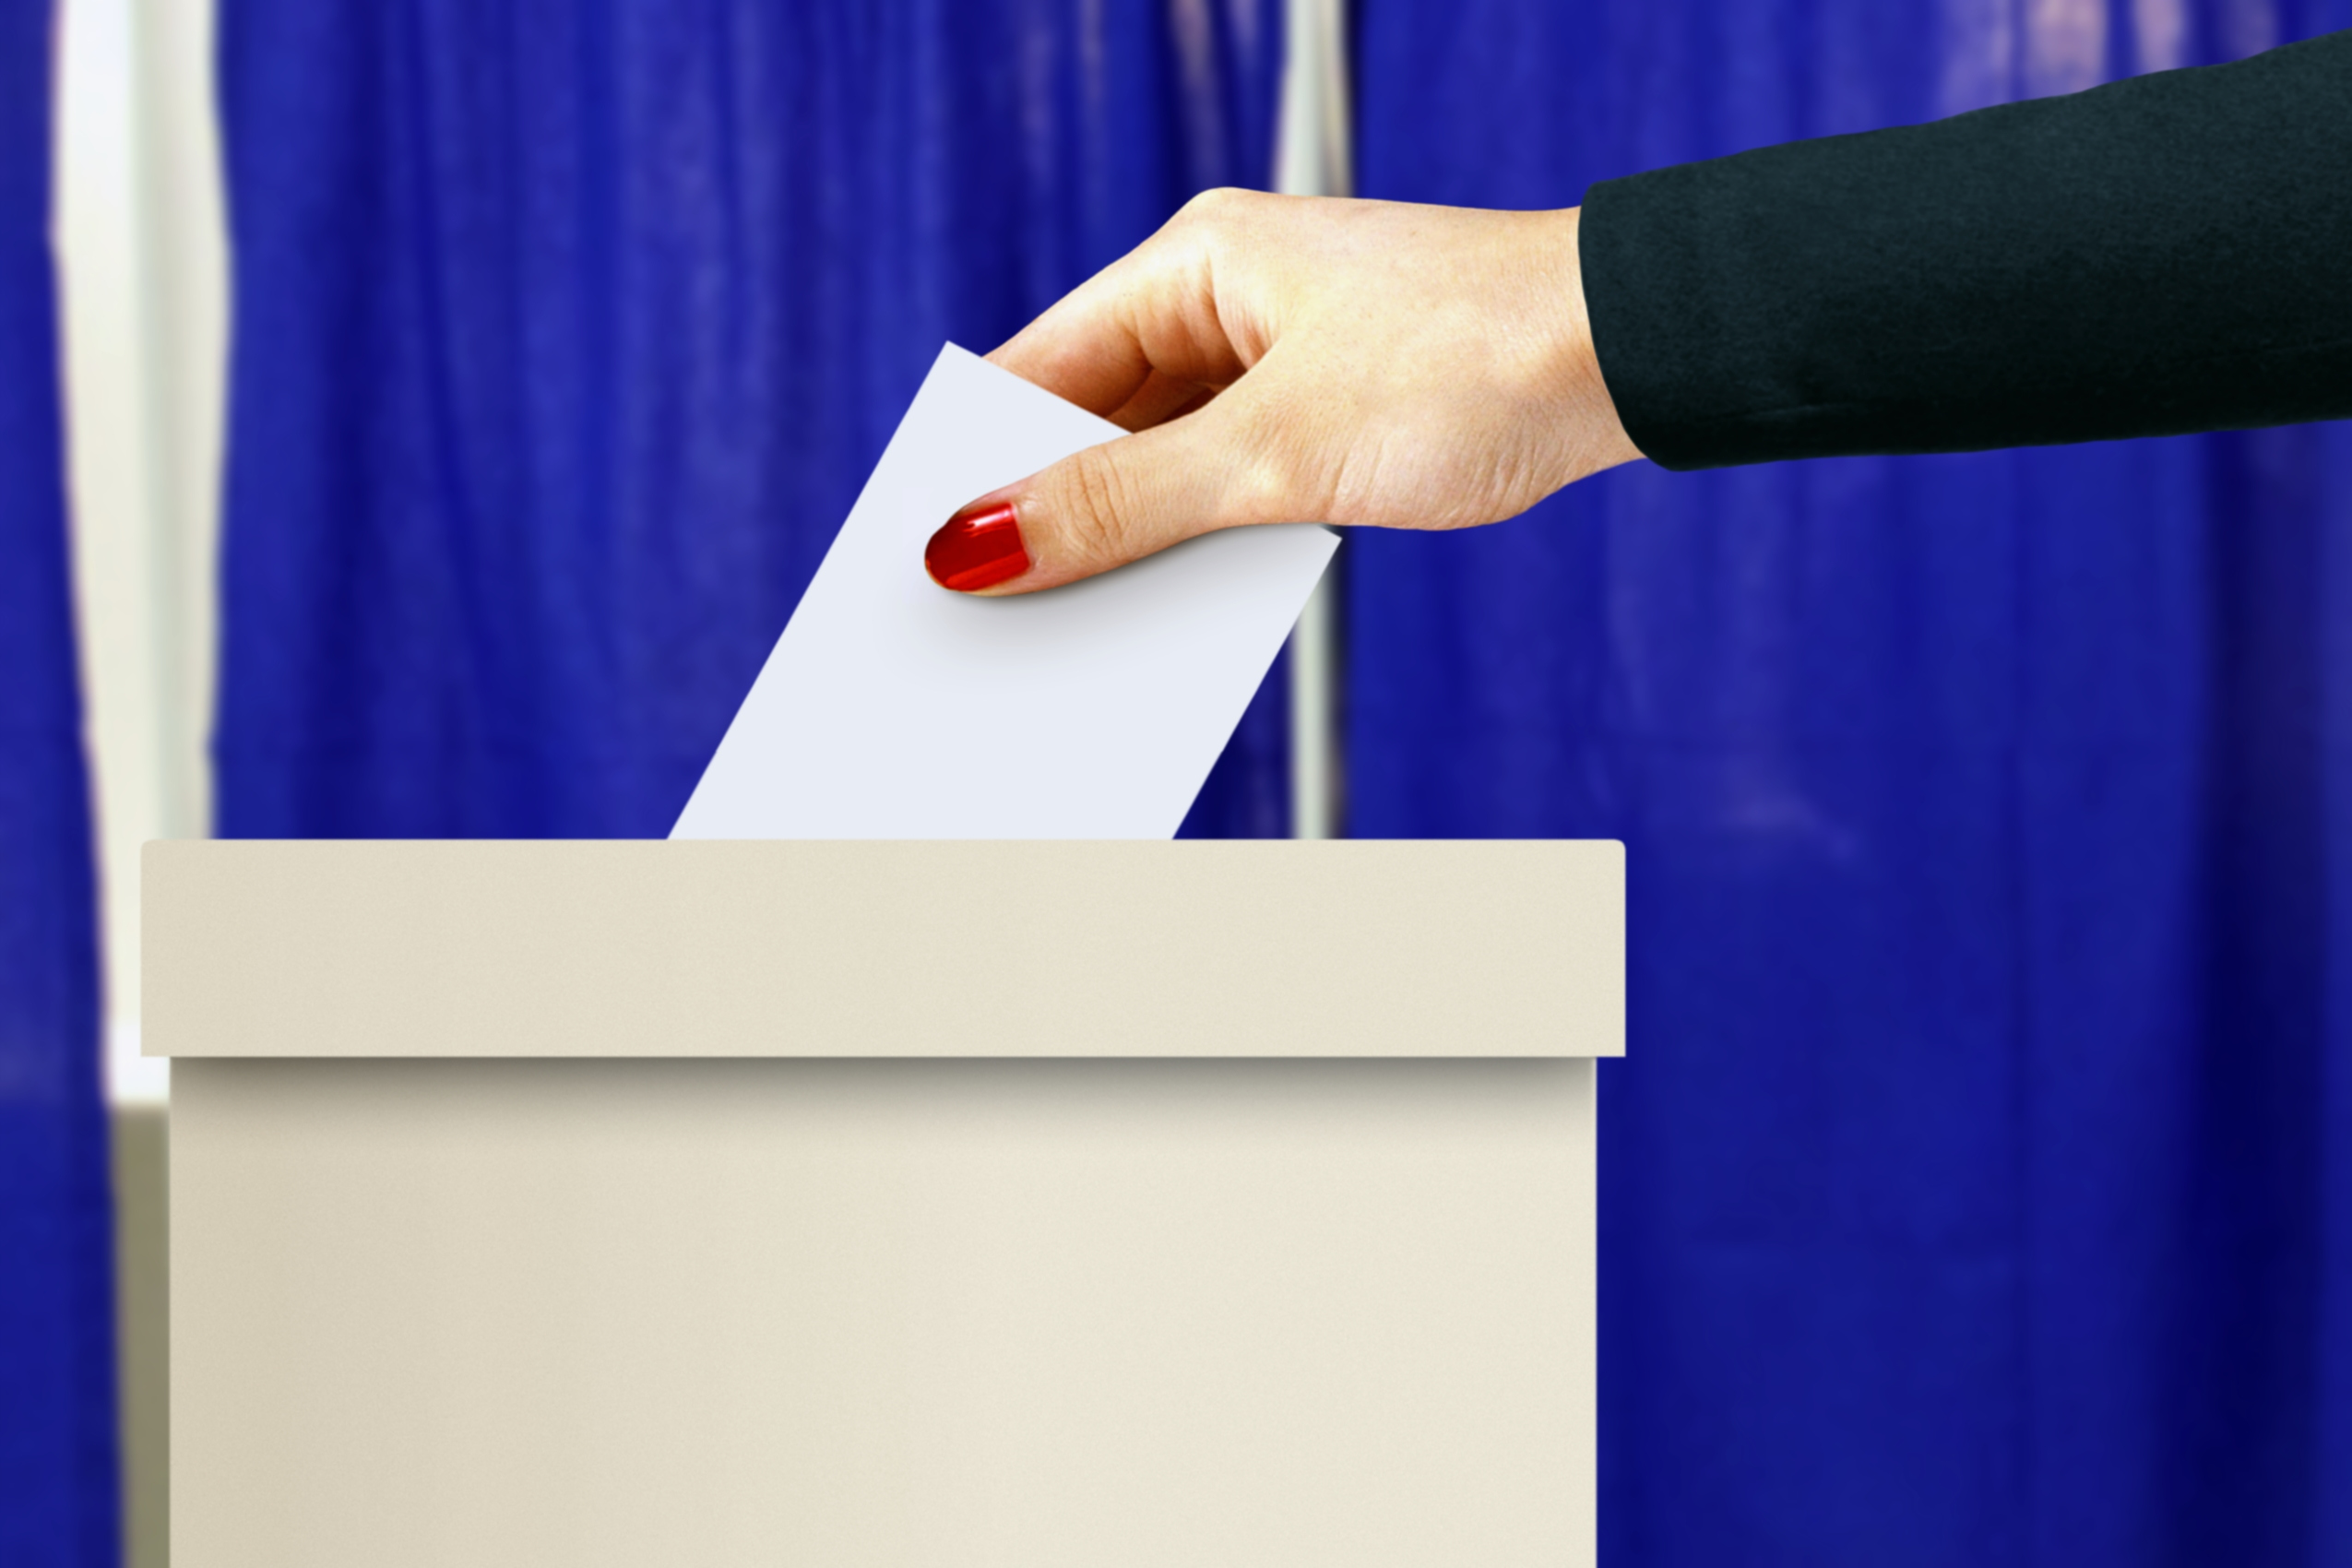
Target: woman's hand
[[1291, 359]]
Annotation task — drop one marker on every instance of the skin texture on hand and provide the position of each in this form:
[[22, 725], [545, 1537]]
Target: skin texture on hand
[[1292, 358]]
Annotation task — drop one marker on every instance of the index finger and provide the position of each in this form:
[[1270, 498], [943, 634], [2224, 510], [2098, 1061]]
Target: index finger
[[1147, 320]]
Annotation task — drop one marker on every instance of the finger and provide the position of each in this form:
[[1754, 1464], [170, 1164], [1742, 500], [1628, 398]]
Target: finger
[[1113, 503], [1162, 397], [1150, 316], [1082, 351]]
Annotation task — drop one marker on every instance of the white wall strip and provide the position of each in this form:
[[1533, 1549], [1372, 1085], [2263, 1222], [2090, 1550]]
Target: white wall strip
[[142, 264]]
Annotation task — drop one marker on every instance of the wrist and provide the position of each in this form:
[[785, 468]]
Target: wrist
[[1599, 433]]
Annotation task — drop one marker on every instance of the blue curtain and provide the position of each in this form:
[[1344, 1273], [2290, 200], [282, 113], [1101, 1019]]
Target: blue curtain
[[57, 1489], [565, 334], [1979, 1187]]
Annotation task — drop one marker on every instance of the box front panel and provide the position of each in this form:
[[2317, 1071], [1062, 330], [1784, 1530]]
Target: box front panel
[[903, 1313]]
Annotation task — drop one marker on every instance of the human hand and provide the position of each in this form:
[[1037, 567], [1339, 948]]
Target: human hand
[[1289, 359]]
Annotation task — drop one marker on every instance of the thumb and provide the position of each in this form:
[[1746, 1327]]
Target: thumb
[[1105, 506]]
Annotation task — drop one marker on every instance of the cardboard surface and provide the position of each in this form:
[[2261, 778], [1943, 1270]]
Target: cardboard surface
[[1352, 949]]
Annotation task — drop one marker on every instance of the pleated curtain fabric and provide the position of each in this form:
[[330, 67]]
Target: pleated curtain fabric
[[1978, 1188], [57, 1478], [566, 333]]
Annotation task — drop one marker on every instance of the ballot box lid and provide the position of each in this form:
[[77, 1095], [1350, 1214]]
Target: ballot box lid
[[1374, 948]]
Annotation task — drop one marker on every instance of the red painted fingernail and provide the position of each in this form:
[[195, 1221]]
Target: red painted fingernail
[[980, 547]]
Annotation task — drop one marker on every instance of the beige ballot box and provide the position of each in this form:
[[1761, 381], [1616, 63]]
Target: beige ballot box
[[883, 1205]]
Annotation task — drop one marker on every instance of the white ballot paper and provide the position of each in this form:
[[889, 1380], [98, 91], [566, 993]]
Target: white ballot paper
[[892, 709]]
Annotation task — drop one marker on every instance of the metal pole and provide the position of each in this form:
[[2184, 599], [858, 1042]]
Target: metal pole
[[1314, 156]]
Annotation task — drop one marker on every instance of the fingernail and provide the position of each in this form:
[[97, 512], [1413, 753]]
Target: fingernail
[[980, 547]]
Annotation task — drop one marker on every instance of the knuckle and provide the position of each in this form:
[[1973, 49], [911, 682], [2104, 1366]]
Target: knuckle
[[1215, 209], [1208, 203]]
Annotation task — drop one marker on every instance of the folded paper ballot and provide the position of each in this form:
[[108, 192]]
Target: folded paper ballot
[[892, 709]]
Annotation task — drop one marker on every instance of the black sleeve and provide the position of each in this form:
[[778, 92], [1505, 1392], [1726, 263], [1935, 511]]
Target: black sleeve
[[2163, 254]]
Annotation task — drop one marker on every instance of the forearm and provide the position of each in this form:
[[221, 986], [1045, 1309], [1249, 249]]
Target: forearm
[[2165, 255]]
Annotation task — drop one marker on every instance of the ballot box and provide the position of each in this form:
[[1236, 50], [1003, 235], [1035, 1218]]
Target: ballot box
[[870, 1205]]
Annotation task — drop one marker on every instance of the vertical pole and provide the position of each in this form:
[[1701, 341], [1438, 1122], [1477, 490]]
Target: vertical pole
[[1314, 156]]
